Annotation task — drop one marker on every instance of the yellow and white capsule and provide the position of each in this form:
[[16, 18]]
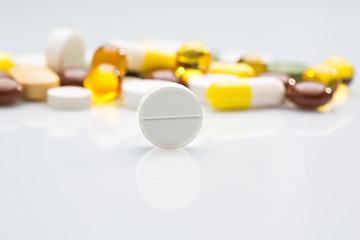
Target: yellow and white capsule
[[258, 92], [144, 58]]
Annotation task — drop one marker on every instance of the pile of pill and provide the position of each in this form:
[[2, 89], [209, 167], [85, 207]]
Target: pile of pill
[[167, 85]]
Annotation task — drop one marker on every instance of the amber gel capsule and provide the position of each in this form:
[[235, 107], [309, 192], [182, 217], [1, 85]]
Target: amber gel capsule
[[112, 55], [343, 66], [193, 55], [255, 61], [324, 74], [104, 81]]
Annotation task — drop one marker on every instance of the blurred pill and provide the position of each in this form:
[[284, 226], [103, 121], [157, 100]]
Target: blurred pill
[[166, 75], [309, 94], [69, 98], [73, 76], [111, 55], [6, 61], [3, 74], [36, 80], [324, 74], [10, 90], [239, 69], [281, 76], [200, 84], [133, 90], [65, 48], [293, 69], [246, 93], [255, 61], [343, 66], [143, 58]]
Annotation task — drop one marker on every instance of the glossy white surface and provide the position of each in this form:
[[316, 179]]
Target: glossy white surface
[[271, 173]]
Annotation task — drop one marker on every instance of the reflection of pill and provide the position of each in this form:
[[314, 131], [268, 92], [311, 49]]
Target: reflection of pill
[[36, 80], [69, 98], [65, 48], [241, 94], [169, 115], [309, 94], [73, 76], [133, 90], [10, 90], [200, 84]]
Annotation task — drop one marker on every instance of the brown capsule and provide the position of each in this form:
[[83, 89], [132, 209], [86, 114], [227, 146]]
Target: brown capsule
[[166, 75], [309, 94], [73, 76], [286, 79], [3, 74], [10, 91]]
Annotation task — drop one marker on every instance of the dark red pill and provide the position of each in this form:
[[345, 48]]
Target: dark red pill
[[309, 94]]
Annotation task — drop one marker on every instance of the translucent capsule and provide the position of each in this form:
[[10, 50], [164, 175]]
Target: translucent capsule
[[324, 74], [192, 55], [238, 69], [343, 66], [255, 61], [246, 93], [104, 81], [6, 61], [111, 55]]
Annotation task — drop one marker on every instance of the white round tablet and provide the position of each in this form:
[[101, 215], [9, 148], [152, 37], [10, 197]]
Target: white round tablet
[[69, 98], [65, 48], [169, 115], [200, 84], [133, 90]]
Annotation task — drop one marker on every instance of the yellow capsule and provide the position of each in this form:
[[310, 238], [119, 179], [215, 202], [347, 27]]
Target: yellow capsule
[[6, 61], [255, 61], [239, 69], [104, 81], [245, 93], [192, 55], [324, 74], [343, 66], [111, 55]]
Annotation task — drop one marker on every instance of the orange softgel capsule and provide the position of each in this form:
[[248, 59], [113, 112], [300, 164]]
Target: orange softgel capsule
[[104, 81], [111, 55]]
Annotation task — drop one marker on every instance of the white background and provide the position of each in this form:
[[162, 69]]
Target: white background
[[258, 174]]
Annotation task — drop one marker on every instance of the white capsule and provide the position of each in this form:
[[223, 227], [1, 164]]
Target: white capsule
[[200, 84], [169, 115]]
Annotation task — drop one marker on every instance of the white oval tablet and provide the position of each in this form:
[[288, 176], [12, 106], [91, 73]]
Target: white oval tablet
[[169, 115], [65, 48], [133, 90], [200, 84], [69, 98]]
